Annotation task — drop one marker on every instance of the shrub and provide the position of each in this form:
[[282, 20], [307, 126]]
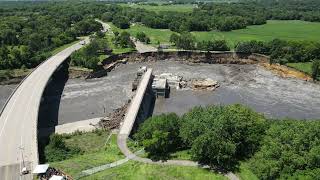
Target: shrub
[[57, 150]]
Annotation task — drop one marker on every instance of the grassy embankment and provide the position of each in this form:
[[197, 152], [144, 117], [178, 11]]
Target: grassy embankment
[[287, 30], [305, 67], [97, 152], [244, 172]]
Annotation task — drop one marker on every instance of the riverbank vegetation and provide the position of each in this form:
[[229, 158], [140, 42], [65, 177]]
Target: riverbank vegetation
[[224, 137]]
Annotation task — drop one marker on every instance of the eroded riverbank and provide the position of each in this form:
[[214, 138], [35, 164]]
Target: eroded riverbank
[[251, 85]]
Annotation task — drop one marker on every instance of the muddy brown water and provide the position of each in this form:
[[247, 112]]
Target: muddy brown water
[[251, 85]]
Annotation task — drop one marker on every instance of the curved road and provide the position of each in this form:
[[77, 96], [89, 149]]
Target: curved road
[[18, 121]]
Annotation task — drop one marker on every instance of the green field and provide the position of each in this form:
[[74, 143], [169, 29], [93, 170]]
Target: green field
[[304, 67], [135, 170], [96, 152], [287, 30], [174, 7], [155, 35]]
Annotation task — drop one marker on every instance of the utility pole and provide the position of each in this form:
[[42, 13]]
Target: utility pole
[[24, 168]]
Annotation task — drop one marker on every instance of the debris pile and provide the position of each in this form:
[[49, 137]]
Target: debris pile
[[52, 172], [204, 84], [172, 80], [113, 120]]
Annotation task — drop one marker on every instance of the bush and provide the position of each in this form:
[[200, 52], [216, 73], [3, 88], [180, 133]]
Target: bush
[[217, 45], [141, 36], [57, 150], [123, 40], [160, 136], [315, 69]]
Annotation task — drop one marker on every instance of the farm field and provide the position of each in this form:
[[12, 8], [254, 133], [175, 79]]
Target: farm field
[[287, 30]]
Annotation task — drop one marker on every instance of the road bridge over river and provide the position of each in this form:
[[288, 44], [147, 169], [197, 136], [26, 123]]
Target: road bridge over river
[[18, 119]]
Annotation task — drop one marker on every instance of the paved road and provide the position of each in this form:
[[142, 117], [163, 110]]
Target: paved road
[[143, 48], [106, 27], [18, 121]]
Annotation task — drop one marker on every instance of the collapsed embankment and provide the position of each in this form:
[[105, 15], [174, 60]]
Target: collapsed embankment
[[184, 56], [187, 56], [199, 57]]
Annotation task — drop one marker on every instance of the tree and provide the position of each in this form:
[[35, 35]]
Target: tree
[[121, 22], [160, 136], [221, 136], [123, 40], [217, 45], [290, 150], [141, 36], [315, 69], [174, 38], [186, 41]]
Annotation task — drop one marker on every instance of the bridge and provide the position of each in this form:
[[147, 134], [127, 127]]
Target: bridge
[[19, 118]]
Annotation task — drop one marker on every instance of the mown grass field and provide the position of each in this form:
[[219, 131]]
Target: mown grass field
[[287, 30], [304, 67], [136, 170]]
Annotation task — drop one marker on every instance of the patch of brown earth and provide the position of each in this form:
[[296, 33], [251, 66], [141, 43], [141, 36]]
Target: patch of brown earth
[[285, 71]]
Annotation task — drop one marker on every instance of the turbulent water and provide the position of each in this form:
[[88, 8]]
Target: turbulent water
[[251, 85]]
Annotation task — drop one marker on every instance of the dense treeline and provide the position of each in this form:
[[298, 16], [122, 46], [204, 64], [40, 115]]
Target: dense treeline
[[187, 41], [290, 150], [222, 136], [217, 16], [30, 31], [282, 51]]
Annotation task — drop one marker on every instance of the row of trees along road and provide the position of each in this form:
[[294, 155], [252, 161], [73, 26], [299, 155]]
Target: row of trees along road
[[187, 41], [222, 136]]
